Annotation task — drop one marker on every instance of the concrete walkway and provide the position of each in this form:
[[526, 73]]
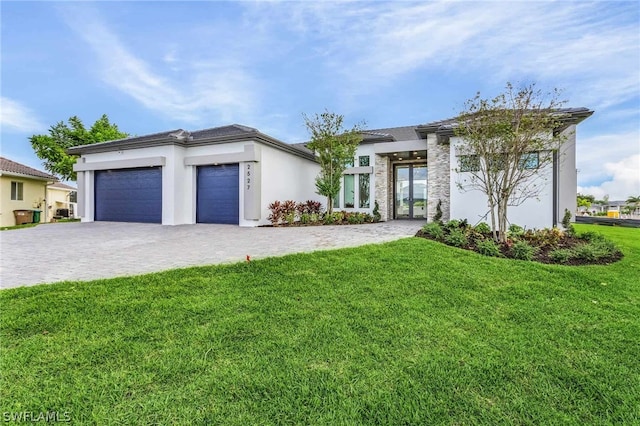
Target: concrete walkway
[[86, 251]]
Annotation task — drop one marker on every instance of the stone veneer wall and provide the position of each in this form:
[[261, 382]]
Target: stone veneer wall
[[439, 177], [381, 171]]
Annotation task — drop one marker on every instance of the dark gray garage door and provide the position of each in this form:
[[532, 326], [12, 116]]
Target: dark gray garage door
[[218, 194], [129, 195]]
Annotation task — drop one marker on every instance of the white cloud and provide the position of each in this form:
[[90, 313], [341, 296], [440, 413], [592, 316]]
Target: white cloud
[[202, 92], [624, 181], [594, 152], [15, 116], [591, 48]]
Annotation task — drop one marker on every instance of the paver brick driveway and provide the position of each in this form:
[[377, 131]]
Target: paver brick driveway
[[85, 251]]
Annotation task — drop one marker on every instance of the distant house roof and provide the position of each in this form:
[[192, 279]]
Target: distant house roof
[[13, 168], [214, 135], [60, 185]]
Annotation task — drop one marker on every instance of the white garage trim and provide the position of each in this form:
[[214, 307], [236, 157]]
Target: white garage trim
[[251, 153], [121, 164]]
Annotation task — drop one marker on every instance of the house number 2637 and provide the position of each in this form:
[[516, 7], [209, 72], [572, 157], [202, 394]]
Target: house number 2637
[[248, 177]]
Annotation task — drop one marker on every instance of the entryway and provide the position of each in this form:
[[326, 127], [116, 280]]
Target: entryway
[[410, 191]]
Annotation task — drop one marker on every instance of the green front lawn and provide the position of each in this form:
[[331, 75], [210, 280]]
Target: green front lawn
[[409, 332]]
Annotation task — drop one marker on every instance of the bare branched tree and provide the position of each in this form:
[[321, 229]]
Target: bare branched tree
[[507, 141]]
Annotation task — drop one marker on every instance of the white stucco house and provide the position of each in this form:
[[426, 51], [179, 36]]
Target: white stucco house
[[230, 174]]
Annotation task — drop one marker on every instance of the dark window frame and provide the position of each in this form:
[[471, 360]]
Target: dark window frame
[[17, 191], [469, 163]]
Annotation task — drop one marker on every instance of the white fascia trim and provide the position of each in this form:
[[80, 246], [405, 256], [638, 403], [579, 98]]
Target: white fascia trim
[[250, 153], [121, 164], [358, 170], [387, 147]]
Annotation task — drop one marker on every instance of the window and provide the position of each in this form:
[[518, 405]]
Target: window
[[469, 163], [73, 197], [349, 163], [530, 160], [497, 162], [349, 191], [363, 160], [363, 193], [16, 191]]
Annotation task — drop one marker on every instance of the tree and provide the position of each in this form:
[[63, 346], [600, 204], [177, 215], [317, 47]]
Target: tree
[[52, 147], [633, 203], [506, 142], [335, 148], [585, 200]]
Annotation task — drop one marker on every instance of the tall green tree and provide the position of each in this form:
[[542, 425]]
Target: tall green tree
[[507, 140], [335, 147], [51, 148], [585, 200]]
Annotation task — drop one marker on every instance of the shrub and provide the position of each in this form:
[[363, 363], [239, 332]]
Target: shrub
[[482, 228], [544, 237], [438, 216], [560, 255], [566, 222], [276, 212], [596, 249], [457, 238], [289, 210], [516, 230], [338, 217], [488, 248], [452, 224], [376, 212], [328, 219], [313, 207], [522, 250], [434, 230], [353, 218], [305, 218], [314, 217]]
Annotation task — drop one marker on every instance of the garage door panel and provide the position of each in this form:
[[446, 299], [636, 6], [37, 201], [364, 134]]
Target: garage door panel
[[218, 194], [129, 195]]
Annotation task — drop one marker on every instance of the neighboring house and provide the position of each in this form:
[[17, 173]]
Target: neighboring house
[[230, 174], [21, 188], [61, 201]]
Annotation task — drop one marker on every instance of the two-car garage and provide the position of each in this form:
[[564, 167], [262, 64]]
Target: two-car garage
[[135, 195], [222, 175]]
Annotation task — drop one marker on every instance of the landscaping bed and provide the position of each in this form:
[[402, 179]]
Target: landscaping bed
[[553, 246], [311, 213]]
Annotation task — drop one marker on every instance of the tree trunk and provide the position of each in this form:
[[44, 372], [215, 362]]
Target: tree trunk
[[494, 229], [502, 220]]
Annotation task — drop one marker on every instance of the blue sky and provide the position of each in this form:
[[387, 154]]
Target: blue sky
[[154, 66]]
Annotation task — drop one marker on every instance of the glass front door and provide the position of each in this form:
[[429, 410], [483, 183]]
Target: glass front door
[[410, 191]]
